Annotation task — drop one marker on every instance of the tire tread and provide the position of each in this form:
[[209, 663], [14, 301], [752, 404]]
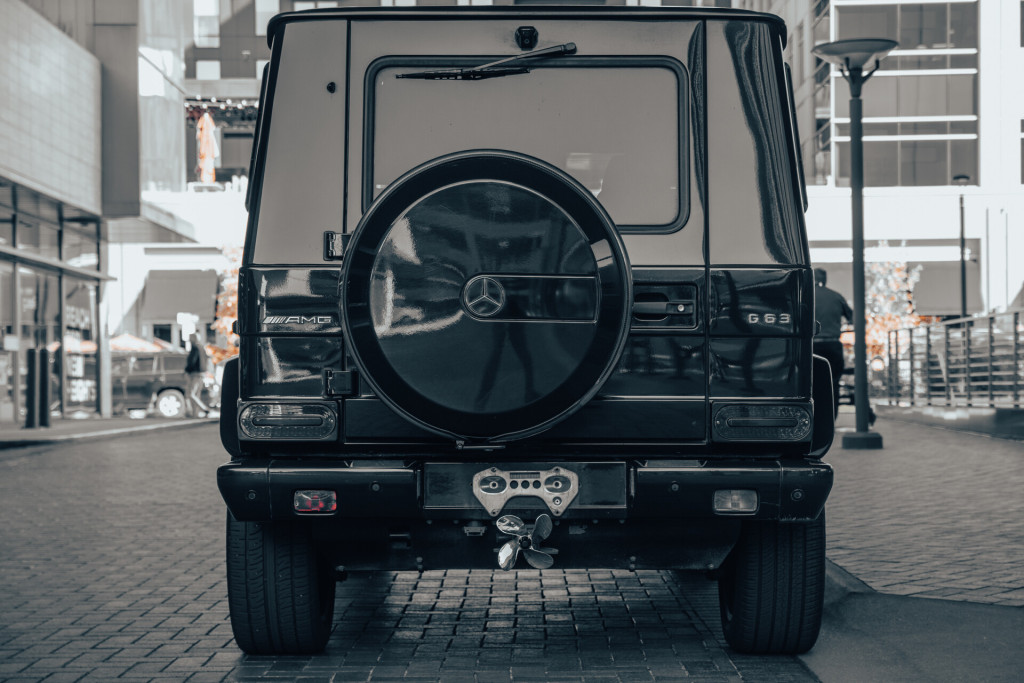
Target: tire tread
[[773, 586], [280, 594]]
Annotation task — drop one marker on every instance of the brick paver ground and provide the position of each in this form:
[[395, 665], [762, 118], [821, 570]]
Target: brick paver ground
[[936, 513], [111, 568]]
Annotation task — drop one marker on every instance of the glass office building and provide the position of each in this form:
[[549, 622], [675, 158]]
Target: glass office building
[[943, 119], [921, 108]]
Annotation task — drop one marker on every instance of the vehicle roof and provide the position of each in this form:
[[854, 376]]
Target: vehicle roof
[[526, 11]]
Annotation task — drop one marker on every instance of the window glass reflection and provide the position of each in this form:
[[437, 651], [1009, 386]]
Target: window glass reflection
[[6, 226], [9, 343], [931, 25], [923, 26], [633, 170], [924, 162], [867, 22], [38, 237], [39, 307], [80, 347], [925, 95], [963, 24], [963, 159], [911, 162], [81, 248]]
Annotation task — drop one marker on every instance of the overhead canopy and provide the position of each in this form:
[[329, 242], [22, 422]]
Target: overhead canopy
[[129, 342], [169, 292], [938, 290]]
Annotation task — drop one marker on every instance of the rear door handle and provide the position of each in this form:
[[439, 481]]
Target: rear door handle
[[662, 307]]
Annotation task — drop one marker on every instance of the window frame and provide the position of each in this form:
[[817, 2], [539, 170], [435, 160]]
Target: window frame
[[595, 62]]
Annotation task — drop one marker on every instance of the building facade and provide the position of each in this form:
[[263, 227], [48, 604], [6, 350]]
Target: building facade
[[90, 100], [943, 119], [50, 207]]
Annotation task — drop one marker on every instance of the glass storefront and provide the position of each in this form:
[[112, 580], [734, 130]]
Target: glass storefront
[[47, 303], [8, 358], [39, 307]]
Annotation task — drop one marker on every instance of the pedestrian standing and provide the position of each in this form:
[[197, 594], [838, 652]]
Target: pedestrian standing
[[829, 310], [195, 368]]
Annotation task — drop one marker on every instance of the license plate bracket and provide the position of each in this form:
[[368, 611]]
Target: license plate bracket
[[596, 486], [556, 487]]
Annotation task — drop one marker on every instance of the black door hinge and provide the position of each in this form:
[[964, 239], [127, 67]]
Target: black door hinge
[[334, 245], [340, 383]]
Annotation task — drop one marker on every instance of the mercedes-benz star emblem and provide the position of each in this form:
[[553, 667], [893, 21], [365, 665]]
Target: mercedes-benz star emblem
[[484, 296]]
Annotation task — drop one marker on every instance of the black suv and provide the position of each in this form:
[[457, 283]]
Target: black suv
[[540, 274], [155, 382]]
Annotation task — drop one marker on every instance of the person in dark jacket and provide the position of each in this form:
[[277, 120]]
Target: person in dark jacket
[[195, 368], [830, 308]]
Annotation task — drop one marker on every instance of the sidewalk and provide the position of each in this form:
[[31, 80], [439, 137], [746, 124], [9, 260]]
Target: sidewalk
[[74, 430], [936, 513], [926, 550]]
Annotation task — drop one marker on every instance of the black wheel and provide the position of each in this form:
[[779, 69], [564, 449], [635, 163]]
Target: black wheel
[[280, 593], [772, 588], [229, 409], [486, 296]]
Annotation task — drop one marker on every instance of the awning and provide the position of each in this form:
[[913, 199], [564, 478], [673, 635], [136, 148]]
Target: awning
[[169, 292], [938, 290]]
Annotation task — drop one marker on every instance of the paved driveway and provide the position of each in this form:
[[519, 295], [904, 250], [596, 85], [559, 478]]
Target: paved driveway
[[111, 567]]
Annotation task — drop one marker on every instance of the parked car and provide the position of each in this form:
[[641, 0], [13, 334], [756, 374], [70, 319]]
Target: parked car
[[519, 277], [155, 383]]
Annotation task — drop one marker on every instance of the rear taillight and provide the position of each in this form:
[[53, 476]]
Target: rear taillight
[[762, 422], [300, 421], [311, 502]]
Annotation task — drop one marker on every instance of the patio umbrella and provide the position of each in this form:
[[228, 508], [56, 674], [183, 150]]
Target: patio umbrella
[[129, 342]]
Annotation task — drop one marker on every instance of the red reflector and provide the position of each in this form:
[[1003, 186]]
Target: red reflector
[[306, 502]]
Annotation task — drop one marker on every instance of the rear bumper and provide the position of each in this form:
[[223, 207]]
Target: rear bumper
[[263, 489]]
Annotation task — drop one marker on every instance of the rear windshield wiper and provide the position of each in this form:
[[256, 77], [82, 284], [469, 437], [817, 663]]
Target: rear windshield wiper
[[493, 69]]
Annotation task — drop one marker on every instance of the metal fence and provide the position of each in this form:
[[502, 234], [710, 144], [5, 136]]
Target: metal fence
[[962, 362]]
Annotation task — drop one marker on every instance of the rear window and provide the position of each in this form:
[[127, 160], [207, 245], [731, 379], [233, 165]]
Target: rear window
[[616, 125]]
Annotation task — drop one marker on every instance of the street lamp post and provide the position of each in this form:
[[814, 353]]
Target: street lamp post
[[851, 56], [961, 180]]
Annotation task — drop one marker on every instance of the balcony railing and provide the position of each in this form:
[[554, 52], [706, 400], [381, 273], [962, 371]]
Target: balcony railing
[[967, 362]]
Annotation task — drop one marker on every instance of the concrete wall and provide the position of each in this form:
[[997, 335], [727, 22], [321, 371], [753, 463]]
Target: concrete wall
[[50, 109]]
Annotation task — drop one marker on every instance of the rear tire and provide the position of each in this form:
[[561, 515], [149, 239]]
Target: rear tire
[[772, 588], [280, 593]]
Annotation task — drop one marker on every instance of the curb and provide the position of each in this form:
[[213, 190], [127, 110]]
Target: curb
[[103, 434], [840, 583]]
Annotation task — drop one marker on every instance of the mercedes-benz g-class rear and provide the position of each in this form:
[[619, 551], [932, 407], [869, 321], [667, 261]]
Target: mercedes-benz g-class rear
[[525, 286]]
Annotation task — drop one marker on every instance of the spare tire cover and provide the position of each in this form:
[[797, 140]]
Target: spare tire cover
[[486, 295]]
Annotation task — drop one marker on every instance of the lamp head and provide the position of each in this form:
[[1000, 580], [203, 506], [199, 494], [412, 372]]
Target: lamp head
[[961, 179], [855, 53]]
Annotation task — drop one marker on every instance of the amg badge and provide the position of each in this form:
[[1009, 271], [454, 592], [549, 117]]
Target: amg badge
[[298, 320]]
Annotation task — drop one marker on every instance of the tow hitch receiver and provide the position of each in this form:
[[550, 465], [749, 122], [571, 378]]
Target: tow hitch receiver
[[526, 540]]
